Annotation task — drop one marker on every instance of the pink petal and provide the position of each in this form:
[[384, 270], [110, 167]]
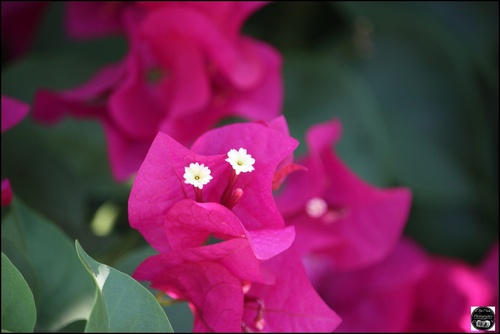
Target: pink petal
[[88, 100], [215, 295], [91, 19], [313, 236], [384, 293], [279, 124], [235, 255], [125, 153], [374, 220], [290, 304], [450, 289], [303, 186], [263, 98], [189, 224], [184, 23], [363, 223], [214, 26], [13, 112], [229, 16], [180, 23], [268, 243], [489, 268], [6, 193], [300, 187], [189, 80], [137, 106], [321, 137], [249, 66]]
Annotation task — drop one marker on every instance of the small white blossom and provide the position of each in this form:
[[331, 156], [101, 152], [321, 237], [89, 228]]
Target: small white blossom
[[197, 175], [316, 207], [240, 160]]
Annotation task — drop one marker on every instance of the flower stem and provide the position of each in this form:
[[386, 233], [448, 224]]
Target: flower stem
[[226, 195]]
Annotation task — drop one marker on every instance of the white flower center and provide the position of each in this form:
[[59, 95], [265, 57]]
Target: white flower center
[[240, 160], [316, 207], [197, 175]]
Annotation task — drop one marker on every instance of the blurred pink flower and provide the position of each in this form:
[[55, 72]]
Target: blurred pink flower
[[489, 268], [409, 291], [336, 213], [187, 68], [6, 192], [94, 19], [13, 112], [445, 296], [377, 298]]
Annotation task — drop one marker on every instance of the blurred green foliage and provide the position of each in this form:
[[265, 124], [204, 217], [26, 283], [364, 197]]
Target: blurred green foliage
[[415, 85]]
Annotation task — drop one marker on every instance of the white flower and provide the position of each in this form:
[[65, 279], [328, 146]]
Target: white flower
[[240, 160], [197, 175], [316, 207]]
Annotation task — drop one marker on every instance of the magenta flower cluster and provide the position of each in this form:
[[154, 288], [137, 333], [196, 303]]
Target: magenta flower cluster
[[187, 68], [252, 239]]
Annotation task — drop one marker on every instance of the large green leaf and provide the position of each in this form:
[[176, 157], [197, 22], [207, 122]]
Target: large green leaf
[[18, 305], [66, 291], [122, 304], [20, 260]]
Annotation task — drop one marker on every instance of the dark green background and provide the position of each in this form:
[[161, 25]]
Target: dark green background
[[415, 85]]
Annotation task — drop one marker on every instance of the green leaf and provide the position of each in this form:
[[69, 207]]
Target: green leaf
[[20, 260], [74, 327], [18, 305], [66, 291], [122, 304]]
